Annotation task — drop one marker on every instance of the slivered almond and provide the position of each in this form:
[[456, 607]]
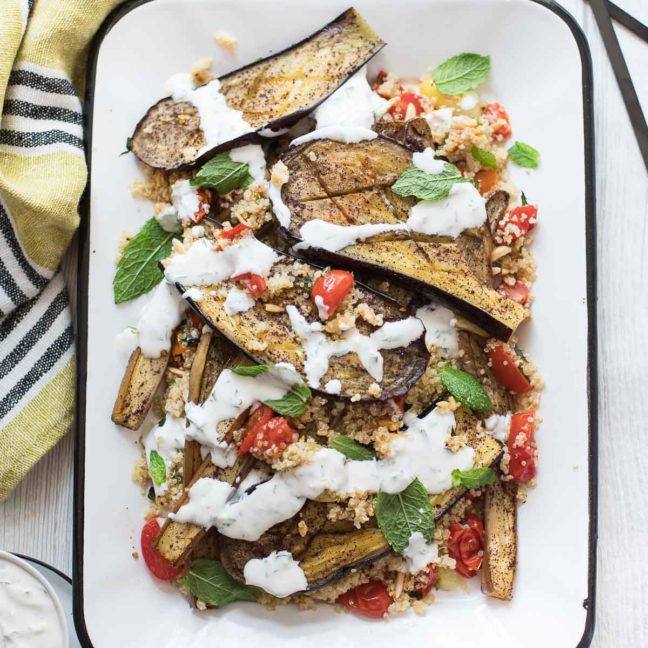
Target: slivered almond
[[499, 252]]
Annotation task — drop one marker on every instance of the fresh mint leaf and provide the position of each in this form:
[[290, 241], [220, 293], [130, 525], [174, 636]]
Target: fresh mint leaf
[[157, 468], [293, 403], [524, 199], [427, 186], [473, 477], [208, 581], [466, 389], [485, 158], [401, 515], [137, 270], [461, 73], [251, 370], [223, 174], [151, 494], [524, 155], [129, 146], [351, 448]]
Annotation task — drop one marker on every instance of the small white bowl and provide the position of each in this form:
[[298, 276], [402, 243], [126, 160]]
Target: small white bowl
[[4, 555]]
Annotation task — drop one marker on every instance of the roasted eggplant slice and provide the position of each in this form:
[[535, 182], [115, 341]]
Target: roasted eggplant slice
[[500, 540], [265, 334], [272, 93], [138, 386], [349, 185], [413, 134]]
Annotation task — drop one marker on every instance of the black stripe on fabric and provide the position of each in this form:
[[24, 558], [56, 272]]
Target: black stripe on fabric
[[32, 139], [11, 321], [10, 286], [34, 111], [7, 230], [41, 82], [53, 354], [37, 332]]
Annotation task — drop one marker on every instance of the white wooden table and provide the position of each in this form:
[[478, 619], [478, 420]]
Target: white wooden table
[[37, 519]]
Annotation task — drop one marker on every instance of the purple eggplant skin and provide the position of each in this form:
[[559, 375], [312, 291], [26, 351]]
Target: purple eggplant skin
[[162, 141]]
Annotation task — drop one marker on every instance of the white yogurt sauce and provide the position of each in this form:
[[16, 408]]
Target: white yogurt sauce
[[253, 156], [168, 219], [166, 439], [206, 499], [185, 198], [160, 315], [425, 161], [469, 101], [498, 426], [28, 615], [420, 553], [238, 301], [333, 386], [126, 342], [231, 396], [322, 308], [419, 452], [439, 121], [463, 208], [320, 349], [195, 294], [201, 265], [349, 113], [218, 121], [440, 329], [278, 574], [329, 236], [279, 208]]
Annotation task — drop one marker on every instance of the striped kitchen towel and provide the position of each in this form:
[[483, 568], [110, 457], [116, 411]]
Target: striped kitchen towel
[[43, 51]]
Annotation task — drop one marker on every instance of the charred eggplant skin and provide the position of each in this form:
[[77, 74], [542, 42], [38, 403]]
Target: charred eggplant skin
[[164, 142]]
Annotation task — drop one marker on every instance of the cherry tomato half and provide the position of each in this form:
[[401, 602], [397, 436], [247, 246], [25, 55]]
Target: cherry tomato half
[[503, 364], [495, 113], [331, 288], [259, 417], [518, 292], [399, 109], [369, 599], [269, 438], [466, 545], [205, 198], [159, 566], [522, 448], [431, 580], [255, 284], [233, 232], [516, 224]]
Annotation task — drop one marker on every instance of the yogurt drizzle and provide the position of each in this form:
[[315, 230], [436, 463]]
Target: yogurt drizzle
[[279, 574], [161, 314]]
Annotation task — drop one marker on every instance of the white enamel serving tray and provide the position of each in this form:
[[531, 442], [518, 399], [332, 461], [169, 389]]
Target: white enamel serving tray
[[540, 72]]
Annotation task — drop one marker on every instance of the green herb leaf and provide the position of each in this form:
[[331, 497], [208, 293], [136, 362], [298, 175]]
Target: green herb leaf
[[427, 186], [223, 174], [208, 581], [251, 370], [401, 515], [293, 403], [129, 146], [351, 448], [461, 73], [466, 389], [524, 155], [151, 494], [473, 477], [485, 158], [137, 270], [157, 468], [524, 199], [519, 353]]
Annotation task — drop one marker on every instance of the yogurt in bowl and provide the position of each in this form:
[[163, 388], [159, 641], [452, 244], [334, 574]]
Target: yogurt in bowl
[[31, 614]]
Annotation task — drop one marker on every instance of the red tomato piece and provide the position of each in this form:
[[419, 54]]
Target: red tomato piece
[[259, 417], [495, 113], [516, 224], [369, 599], [522, 447], [205, 198], [158, 565], [255, 284], [399, 109], [518, 292], [399, 401], [503, 364], [431, 580], [332, 288], [466, 545], [233, 232], [270, 438]]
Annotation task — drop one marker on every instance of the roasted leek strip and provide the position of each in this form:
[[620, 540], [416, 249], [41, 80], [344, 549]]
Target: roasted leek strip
[[272, 93], [138, 386], [350, 185]]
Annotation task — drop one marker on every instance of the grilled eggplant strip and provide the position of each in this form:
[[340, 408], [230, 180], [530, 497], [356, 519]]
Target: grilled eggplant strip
[[349, 184], [268, 338], [500, 540], [272, 93], [138, 387]]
